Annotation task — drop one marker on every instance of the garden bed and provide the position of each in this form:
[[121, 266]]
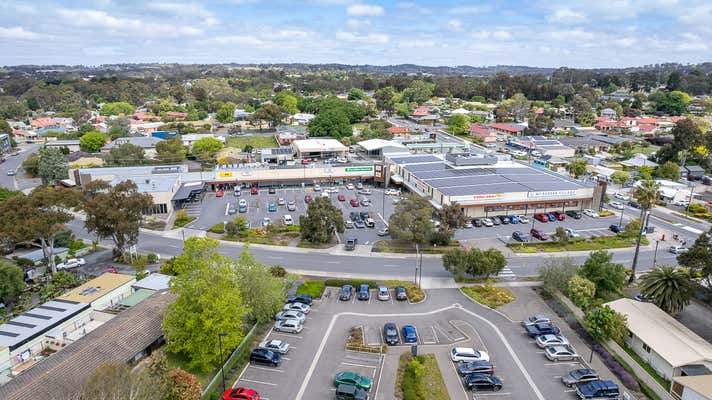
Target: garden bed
[[394, 246], [355, 342], [592, 244], [312, 288], [490, 296], [419, 378]]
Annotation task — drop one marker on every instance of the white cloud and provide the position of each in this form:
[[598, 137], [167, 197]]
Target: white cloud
[[287, 34], [18, 33], [469, 10], [496, 35], [369, 38], [501, 35], [182, 9], [125, 26], [454, 25], [567, 16], [365, 10], [242, 40], [626, 42], [416, 44], [357, 23], [572, 34]]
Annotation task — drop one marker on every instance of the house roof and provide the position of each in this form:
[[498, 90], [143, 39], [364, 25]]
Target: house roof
[[377, 144], [38, 254], [480, 129], [155, 281], [317, 145], [398, 129], [673, 341], [43, 122], [97, 287], [144, 142], [118, 340], [639, 160], [507, 128], [701, 384]]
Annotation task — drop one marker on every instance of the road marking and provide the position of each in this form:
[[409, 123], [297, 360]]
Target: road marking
[[380, 372], [332, 262], [562, 363], [693, 230], [390, 265], [259, 382], [492, 394], [462, 385], [358, 365], [291, 335], [267, 369]]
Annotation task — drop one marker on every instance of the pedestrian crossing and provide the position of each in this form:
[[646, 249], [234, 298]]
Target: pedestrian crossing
[[507, 273]]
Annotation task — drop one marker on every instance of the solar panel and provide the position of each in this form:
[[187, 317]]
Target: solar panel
[[36, 316], [52, 308], [20, 324], [9, 334]]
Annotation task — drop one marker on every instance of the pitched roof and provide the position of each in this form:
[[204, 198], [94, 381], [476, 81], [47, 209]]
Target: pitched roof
[[398, 129], [480, 129], [701, 384], [43, 122], [118, 340], [507, 128]]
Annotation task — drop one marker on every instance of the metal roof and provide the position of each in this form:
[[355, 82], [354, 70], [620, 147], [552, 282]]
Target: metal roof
[[153, 282], [38, 321], [415, 159]]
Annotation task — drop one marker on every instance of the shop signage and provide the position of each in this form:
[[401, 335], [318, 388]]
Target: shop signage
[[225, 174], [552, 193], [487, 196], [359, 169]]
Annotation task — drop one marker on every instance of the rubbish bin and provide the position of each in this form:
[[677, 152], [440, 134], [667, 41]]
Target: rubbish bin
[[414, 350]]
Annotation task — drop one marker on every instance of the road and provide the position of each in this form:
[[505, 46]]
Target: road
[[14, 163]]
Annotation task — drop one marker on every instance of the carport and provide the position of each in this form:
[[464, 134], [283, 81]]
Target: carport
[[187, 192]]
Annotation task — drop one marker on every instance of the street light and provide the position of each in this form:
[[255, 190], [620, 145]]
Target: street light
[[655, 255], [222, 365]]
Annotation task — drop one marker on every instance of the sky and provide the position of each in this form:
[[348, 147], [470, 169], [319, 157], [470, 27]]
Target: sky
[[552, 33]]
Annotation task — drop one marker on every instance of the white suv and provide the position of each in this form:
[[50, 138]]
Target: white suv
[[467, 354], [288, 220]]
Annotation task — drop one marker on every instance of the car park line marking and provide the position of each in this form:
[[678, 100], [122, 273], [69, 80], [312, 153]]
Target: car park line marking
[[444, 333], [492, 394], [227, 207], [240, 376], [285, 358], [358, 365], [258, 382], [291, 335], [267, 369], [435, 335], [462, 384], [562, 363]]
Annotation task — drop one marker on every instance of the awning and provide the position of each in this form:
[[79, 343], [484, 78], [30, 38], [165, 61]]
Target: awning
[[397, 179]]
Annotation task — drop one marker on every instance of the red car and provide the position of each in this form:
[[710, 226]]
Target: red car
[[541, 218], [305, 161], [539, 234], [240, 393], [354, 202], [219, 193], [254, 190], [342, 197], [559, 215], [308, 199]]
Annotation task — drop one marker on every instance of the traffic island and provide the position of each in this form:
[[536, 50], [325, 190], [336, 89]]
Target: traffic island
[[577, 244], [419, 377]]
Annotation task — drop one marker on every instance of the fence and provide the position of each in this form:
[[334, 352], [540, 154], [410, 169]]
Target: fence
[[231, 361]]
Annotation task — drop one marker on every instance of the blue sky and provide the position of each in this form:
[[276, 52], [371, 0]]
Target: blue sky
[[552, 33]]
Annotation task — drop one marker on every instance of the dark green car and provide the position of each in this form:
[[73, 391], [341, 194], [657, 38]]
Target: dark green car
[[352, 378]]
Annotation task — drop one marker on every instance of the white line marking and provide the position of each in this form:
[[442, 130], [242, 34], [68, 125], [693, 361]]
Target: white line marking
[[380, 372], [267, 369], [462, 385], [693, 230], [259, 382], [359, 365]]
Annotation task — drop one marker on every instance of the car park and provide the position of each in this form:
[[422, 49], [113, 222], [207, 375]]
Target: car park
[[350, 392], [401, 293], [272, 207], [347, 291], [475, 367], [520, 236], [598, 390], [288, 325], [390, 334], [487, 222], [678, 249], [591, 213], [544, 328], [541, 235], [535, 319], [275, 345], [617, 205], [551, 340], [479, 382], [352, 378], [298, 306], [574, 214], [354, 202], [466, 354], [615, 228], [300, 298], [266, 357], [541, 218], [291, 206], [409, 334], [572, 233], [240, 393], [383, 294], [579, 376], [291, 314], [308, 199], [71, 263], [364, 292]]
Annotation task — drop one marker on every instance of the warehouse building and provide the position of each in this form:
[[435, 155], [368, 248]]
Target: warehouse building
[[488, 184]]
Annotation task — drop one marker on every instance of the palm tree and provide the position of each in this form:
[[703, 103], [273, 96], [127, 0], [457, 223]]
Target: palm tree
[[669, 287], [645, 194]]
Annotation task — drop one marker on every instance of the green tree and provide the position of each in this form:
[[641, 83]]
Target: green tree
[[206, 148], [560, 235], [674, 103], [668, 170], [119, 381], [385, 99], [51, 165], [698, 259], [474, 262], [119, 127], [410, 222], [620, 177], [209, 302], [687, 135], [11, 281], [605, 323], [226, 113], [452, 216], [117, 108], [556, 273], [7, 193], [262, 292], [519, 106], [171, 150], [356, 94], [458, 124], [418, 92], [330, 122], [581, 291], [609, 277], [92, 142], [321, 221], [31, 165], [5, 127], [646, 194], [115, 212], [669, 287], [125, 155], [645, 172], [577, 167], [271, 113]]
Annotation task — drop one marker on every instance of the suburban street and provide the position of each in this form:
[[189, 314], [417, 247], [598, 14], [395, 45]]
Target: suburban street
[[14, 163]]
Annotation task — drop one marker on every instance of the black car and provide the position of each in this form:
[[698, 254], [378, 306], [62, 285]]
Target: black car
[[579, 376], [574, 214], [475, 367], [264, 356], [496, 221], [477, 222], [390, 334], [503, 219], [482, 382], [363, 292], [520, 236], [346, 292], [401, 294], [364, 215], [300, 298], [272, 190], [616, 228], [634, 204], [598, 390], [543, 328], [350, 392], [354, 216]]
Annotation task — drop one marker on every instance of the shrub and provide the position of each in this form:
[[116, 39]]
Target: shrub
[[218, 228], [231, 229], [414, 293], [353, 282], [556, 274], [581, 291], [626, 378], [312, 288], [490, 296], [278, 271], [152, 258]]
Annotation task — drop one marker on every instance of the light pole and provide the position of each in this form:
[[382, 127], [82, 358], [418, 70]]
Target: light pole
[[415, 278], [222, 365], [655, 255], [620, 223], [692, 190]]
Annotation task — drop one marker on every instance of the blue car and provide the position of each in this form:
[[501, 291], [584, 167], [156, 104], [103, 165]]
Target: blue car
[[513, 219], [409, 335], [543, 328], [552, 217], [598, 390], [272, 207], [364, 292]]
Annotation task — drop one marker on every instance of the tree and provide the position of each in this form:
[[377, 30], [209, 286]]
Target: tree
[[620, 177], [171, 150], [609, 277], [645, 172], [669, 287], [287, 101], [119, 381], [668, 170], [581, 291], [674, 103], [92, 142], [519, 106], [458, 124], [206, 148], [226, 113], [272, 113], [698, 259], [51, 165], [38, 216], [5, 127], [418, 92], [687, 135], [31, 164], [605, 323], [356, 94], [11, 281], [117, 108], [125, 155], [674, 81], [452, 216], [385, 99], [262, 292], [560, 235], [410, 222], [119, 127], [7, 193], [321, 221], [330, 122], [208, 302], [646, 194], [115, 212], [577, 167], [556, 273], [473, 262], [183, 386]]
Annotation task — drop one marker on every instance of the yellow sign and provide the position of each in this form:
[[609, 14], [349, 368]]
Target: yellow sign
[[225, 174]]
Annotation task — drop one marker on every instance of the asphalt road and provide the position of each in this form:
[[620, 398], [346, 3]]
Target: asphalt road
[[14, 163]]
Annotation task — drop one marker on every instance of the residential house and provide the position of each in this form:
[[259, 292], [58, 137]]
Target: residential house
[[399, 131], [144, 127], [45, 124], [302, 119], [71, 145], [190, 138], [546, 146], [692, 387], [692, 172], [507, 129], [483, 133], [147, 143], [424, 115], [177, 115], [5, 143], [609, 113], [638, 161]]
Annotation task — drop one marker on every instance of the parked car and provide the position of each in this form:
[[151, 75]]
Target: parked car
[[71, 263], [364, 292], [237, 192], [341, 197], [266, 221], [513, 219], [409, 334], [615, 228], [475, 367], [503, 219], [264, 356], [541, 235], [363, 215], [467, 225], [401, 293], [621, 196], [390, 334], [352, 378], [520, 236], [325, 194], [617, 205], [678, 249], [393, 192], [496, 221], [240, 393], [365, 202], [383, 293], [523, 219], [346, 292], [11, 173], [359, 224], [349, 186], [598, 390], [487, 222], [541, 218], [535, 319], [477, 222], [634, 204], [291, 206], [272, 207], [300, 298], [308, 199], [288, 325], [570, 232], [543, 328], [365, 192], [466, 354], [350, 392], [287, 220], [254, 190], [574, 214], [219, 193], [231, 210], [348, 224], [351, 243], [579, 376], [383, 232], [480, 382], [642, 298], [275, 345], [317, 188], [291, 314], [682, 203], [590, 213], [297, 306], [559, 215], [359, 185], [551, 217], [354, 202], [281, 202], [551, 340]]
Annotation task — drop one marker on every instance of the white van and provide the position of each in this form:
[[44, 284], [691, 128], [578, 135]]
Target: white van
[[288, 220]]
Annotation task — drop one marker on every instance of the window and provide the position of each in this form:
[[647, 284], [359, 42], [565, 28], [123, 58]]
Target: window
[[646, 347]]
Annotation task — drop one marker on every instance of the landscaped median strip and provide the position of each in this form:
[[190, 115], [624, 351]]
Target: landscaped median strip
[[594, 243]]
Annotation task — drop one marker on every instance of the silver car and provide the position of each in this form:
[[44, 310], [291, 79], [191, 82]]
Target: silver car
[[298, 307], [291, 314], [289, 326], [561, 353], [275, 345]]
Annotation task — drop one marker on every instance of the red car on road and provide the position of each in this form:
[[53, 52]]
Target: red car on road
[[308, 199], [240, 393], [539, 234], [559, 215], [342, 197], [541, 218], [219, 193], [354, 202]]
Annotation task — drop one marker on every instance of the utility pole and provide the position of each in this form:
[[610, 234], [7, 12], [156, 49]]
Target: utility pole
[[655, 255]]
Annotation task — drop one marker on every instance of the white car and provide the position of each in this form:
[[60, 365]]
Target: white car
[[621, 196], [291, 314], [281, 202], [242, 203], [317, 188], [383, 293], [561, 353], [288, 325], [71, 263], [342, 160], [551, 340], [325, 194], [682, 203], [523, 219], [617, 205], [298, 307], [393, 192], [487, 222], [678, 249], [288, 220], [590, 213], [350, 186], [467, 354], [275, 345], [266, 221], [333, 189], [572, 233]]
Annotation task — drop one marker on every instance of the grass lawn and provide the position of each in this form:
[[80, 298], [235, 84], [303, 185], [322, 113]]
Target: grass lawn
[[594, 243], [428, 385], [181, 222], [312, 288], [490, 296], [258, 142], [177, 361]]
